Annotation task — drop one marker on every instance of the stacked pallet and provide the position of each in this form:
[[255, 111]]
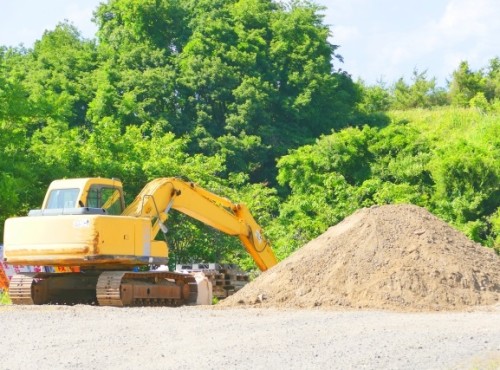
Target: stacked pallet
[[225, 279], [227, 282]]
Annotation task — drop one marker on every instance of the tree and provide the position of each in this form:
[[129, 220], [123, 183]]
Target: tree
[[322, 179], [374, 99], [492, 89], [422, 93], [15, 161], [58, 81], [444, 160], [466, 176], [465, 84], [244, 79]]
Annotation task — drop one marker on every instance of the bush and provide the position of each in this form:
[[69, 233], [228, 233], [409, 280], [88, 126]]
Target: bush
[[4, 298]]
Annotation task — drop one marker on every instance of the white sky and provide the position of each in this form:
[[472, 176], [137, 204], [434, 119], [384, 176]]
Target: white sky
[[379, 39]]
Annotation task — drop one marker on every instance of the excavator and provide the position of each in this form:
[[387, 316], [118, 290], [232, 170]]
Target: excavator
[[83, 224]]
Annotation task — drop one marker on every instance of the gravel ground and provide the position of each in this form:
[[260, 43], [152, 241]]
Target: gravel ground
[[58, 337]]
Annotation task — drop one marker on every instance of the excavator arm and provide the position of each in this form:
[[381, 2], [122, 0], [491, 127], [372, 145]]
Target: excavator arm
[[162, 194]]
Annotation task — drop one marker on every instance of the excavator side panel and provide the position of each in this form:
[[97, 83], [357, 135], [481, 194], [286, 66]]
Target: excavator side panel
[[80, 240]]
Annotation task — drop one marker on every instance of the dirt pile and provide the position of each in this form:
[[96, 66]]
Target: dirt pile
[[390, 257]]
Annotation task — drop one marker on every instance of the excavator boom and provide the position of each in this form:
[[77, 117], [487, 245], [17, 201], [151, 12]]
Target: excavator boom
[[163, 194]]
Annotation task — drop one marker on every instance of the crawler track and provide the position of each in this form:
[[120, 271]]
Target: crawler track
[[109, 288], [118, 288]]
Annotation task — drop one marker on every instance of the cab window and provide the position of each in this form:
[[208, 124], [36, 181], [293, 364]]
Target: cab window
[[63, 198], [105, 197]]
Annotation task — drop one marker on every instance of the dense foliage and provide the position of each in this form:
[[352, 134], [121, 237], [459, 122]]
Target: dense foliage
[[445, 160], [245, 98]]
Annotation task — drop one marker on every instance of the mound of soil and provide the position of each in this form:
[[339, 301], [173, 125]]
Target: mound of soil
[[397, 257]]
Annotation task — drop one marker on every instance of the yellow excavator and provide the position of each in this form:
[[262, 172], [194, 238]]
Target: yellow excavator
[[84, 224]]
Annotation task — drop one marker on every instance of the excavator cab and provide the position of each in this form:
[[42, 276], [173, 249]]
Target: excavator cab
[[81, 223], [82, 196]]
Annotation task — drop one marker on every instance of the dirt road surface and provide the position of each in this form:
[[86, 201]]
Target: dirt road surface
[[89, 337]]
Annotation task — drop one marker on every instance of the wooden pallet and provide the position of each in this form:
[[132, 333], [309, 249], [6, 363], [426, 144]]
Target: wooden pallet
[[226, 280]]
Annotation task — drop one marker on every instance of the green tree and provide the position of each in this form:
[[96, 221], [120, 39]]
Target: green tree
[[466, 177], [444, 160], [492, 89], [374, 99], [479, 101], [422, 93], [57, 76], [15, 161], [465, 84], [322, 179], [244, 79]]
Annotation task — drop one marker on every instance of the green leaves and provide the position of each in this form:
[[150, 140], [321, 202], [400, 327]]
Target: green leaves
[[245, 80], [446, 161], [422, 93], [465, 85], [467, 177]]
